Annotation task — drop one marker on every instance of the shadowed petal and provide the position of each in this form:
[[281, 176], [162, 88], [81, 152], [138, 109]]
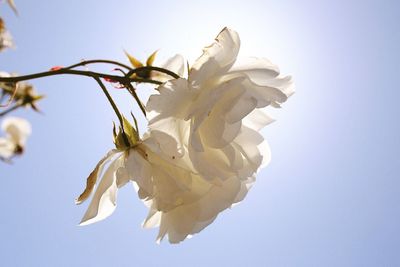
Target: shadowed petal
[[104, 199], [93, 176]]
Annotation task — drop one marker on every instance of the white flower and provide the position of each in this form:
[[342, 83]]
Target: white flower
[[174, 64], [203, 147], [181, 202], [215, 116], [17, 131], [221, 106]]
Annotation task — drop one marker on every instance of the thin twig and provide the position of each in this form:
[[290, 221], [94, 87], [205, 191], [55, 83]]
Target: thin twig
[[93, 61], [152, 68], [132, 91], [5, 112], [114, 106], [11, 98]]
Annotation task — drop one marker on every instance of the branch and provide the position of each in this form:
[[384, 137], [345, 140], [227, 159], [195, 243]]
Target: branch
[[114, 106], [5, 112], [132, 91], [152, 68], [93, 61], [121, 79]]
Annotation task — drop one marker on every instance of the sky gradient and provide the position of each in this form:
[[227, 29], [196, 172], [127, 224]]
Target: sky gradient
[[329, 197]]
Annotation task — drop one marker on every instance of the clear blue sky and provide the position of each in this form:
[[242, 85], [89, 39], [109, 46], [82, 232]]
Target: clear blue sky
[[330, 196]]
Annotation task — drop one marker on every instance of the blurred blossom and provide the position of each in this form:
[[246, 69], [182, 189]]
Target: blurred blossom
[[22, 93], [13, 143], [6, 40]]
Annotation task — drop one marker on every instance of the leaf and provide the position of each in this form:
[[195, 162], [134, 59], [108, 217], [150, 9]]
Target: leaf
[[151, 58], [135, 63]]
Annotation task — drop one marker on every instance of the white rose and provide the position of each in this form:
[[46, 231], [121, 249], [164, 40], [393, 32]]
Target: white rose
[[221, 106], [215, 115], [203, 147], [180, 201]]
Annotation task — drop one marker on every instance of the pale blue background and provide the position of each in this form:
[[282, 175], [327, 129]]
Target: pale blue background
[[330, 196]]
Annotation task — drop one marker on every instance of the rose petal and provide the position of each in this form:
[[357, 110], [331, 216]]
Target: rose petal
[[104, 199], [216, 58], [93, 176]]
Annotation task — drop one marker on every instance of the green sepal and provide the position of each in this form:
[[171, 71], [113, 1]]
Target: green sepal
[[135, 63], [127, 137], [136, 123], [30, 100], [114, 133], [130, 131], [151, 58]]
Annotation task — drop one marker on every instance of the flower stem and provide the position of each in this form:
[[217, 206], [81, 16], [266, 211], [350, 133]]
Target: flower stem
[[5, 112], [114, 106], [92, 74], [93, 61], [125, 80], [152, 68], [132, 91]]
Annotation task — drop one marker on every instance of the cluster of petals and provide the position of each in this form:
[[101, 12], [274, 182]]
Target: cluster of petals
[[17, 131], [19, 89], [203, 147], [6, 40], [20, 93]]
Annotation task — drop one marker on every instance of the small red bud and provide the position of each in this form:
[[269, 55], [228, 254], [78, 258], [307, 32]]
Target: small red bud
[[55, 68], [109, 80]]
